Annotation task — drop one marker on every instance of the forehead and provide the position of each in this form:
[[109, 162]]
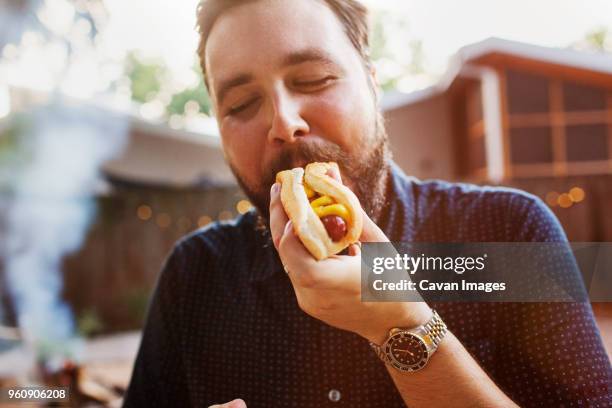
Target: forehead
[[256, 36]]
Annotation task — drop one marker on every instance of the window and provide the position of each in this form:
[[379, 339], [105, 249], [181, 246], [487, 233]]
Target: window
[[556, 127], [527, 93], [474, 103], [587, 142], [529, 145], [582, 98]]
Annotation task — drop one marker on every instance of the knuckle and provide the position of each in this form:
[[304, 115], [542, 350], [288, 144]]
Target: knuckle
[[306, 280], [326, 305], [309, 279]]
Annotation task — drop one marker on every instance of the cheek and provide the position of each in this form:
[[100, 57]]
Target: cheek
[[243, 145], [345, 116]]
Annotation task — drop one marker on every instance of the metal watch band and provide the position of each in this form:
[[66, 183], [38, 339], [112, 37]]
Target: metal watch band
[[379, 351], [435, 330]]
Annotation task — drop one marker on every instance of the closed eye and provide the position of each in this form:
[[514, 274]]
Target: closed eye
[[239, 108], [315, 84]]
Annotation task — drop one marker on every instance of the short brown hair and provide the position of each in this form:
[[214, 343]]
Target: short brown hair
[[352, 15]]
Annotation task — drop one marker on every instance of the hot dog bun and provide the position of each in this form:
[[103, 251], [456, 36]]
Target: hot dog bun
[[306, 223]]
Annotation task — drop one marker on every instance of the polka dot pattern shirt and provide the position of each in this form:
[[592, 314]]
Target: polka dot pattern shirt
[[224, 322]]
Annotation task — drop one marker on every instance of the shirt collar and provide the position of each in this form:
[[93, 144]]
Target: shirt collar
[[396, 221]]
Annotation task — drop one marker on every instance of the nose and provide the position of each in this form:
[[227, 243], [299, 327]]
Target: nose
[[287, 121]]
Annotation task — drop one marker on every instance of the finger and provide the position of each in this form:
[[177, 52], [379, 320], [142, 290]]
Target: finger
[[355, 249], [371, 232], [293, 254], [278, 217], [334, 172], [237, 403]]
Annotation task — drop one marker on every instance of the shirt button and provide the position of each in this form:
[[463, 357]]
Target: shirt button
[[334, 395]]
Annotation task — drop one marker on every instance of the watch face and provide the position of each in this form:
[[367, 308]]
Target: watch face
[[407, 351]]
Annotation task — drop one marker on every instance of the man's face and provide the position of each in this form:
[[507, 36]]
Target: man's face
[[289, 88]]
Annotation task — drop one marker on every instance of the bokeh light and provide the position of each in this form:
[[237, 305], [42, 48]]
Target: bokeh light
[[144, 212], [565, 200], [204, 221], [551, 198], [225, 215], [576, 194], [243, 206]]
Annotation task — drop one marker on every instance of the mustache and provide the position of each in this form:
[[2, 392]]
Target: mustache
[[301, 154]]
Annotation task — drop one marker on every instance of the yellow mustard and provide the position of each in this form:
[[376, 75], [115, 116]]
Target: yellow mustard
[[309, 191], [325, 205]]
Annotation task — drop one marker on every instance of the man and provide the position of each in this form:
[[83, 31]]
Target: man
[[242, 312]]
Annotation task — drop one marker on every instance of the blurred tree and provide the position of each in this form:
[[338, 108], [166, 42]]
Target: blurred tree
[[16, 149], [89, 323], [20, 16], [197, 94], [150, 79], [145, 77], [598, 39], [16, 16], [394, 62]]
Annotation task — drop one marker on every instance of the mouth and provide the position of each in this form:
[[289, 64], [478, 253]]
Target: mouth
[[300, 163]]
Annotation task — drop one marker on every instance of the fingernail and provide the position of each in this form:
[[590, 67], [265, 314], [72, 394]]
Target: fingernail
[[334, 173], [288, 227], [275, 188]]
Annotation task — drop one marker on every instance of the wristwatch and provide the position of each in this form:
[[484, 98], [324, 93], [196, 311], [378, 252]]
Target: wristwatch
[[410, 349]]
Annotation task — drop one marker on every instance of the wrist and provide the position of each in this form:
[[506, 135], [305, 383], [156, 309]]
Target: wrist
[[413, 314]]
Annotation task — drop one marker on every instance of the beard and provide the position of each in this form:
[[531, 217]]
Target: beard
[[365, 173]]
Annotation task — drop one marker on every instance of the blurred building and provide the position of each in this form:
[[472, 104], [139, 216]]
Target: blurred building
[[163, 184], [517, 114], [157, 155]]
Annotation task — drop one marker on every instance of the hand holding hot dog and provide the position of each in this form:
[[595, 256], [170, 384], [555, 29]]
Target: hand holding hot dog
[[329, 287], [325, 214]]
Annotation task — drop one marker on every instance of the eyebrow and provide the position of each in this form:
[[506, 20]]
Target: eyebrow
[[226, 86], [308, 55], [295, 58]]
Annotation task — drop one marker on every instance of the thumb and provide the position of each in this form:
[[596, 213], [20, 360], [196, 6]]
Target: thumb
[[237, 403], [371, 232], [334, 172]]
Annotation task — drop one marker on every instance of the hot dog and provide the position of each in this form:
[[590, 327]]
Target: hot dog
[[326, 215]]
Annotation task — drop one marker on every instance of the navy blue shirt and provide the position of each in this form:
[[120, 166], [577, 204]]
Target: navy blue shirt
[[224, 322]]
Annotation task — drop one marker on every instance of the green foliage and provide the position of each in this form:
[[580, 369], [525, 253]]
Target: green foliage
[[134, 302], [150, 79], [197, 94], [599, 39], [402, 63], [145, 78], [89, 323], [378, 40], [16, 149]]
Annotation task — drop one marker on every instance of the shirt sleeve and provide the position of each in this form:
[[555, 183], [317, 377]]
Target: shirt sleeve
[[551, 354], [158, 378]]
